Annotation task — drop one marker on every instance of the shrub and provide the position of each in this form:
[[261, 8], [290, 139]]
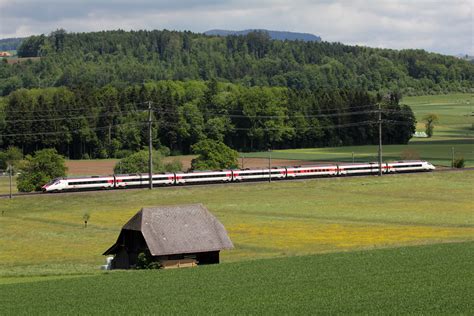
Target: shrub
[[138, 163], [39, 169], [164, 151], [459, 163], [213, 155], [145, 261], [174, 166]]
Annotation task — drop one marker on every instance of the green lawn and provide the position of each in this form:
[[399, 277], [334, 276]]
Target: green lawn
[[455, 130], [435, 279], [44, 235], [5, 185]]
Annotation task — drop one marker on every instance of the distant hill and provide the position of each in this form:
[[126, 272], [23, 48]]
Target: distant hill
[[10, 43], [276, 35], [120, 58], [467, 57]]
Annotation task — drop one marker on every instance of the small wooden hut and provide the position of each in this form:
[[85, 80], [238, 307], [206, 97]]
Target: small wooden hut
[[175, 236]]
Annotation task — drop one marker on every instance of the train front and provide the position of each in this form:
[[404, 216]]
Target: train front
[[52, 186]]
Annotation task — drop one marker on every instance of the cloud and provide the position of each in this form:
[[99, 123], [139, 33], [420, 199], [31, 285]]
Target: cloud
[[434, 25]]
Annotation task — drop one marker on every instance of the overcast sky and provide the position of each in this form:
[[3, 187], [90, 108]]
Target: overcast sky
[[444, 26]]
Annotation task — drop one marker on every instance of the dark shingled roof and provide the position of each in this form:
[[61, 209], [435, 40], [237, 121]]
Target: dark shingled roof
[[178, 229]]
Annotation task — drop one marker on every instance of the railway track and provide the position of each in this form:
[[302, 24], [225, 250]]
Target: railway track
[[24, 194]]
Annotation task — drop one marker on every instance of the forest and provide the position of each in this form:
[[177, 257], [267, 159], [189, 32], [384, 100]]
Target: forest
[[110, 122], [88, 94], [120, 58]]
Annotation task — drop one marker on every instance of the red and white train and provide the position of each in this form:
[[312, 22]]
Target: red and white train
[[223, 176]]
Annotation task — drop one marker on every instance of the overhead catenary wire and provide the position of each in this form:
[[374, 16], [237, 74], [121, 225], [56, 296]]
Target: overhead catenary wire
[[287, 116]]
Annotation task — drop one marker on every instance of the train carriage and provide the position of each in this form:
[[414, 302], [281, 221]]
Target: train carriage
[[204, 177], [366, 168], [131, 180], [80, 183], [311, 171], [409, 166], [259, 174]]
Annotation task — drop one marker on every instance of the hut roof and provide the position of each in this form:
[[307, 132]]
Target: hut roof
[[177, 229]]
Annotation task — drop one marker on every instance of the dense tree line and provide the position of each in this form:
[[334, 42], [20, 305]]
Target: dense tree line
[[10, 43], [111, 122], [119, 58]]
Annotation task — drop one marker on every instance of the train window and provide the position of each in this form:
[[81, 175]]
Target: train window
[[358, 168], [134, 180], [408, 166], [87, 182], [198, 176], [254, 174]]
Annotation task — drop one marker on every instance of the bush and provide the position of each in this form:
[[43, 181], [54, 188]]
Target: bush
[[39, 169], [123, 153], [145, 261], [164, 151], [138, 163], [174, 166], [213, 155], [459, 163]]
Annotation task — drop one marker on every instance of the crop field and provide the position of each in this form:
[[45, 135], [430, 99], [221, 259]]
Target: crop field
[[44, 235], [434, 279], [455, 130]]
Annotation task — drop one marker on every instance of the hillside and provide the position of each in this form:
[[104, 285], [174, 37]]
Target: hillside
[[275, 35], [10, 43], [121, 58]]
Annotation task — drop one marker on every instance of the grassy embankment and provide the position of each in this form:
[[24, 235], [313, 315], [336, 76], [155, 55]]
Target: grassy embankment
[[455, 129], [44, 235], [434, 279]]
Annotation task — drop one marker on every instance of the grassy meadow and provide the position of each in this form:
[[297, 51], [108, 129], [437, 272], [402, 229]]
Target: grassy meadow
[[5, 185], [45, 236], [434, 279], [455, 130]]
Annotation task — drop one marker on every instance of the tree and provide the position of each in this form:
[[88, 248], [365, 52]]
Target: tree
[[12, 156], [39, 169], [430, 121], [138, 163], [213, 155]]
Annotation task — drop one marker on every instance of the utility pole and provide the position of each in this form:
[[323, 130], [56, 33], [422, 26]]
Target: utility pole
[[452, 157], [10, 176], [150, 149], [380, 140], [270, 166]]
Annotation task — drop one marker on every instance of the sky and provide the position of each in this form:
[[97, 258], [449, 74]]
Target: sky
[[443, 26]]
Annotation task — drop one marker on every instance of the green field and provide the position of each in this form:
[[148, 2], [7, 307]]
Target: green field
[[5, 185], [44, 235], [455, 130], [435, 279]]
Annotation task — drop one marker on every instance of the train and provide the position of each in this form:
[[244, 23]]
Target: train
[[118, 181]]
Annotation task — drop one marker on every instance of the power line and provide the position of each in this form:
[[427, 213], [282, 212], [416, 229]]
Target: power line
[[287, 116], [72, 131]]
